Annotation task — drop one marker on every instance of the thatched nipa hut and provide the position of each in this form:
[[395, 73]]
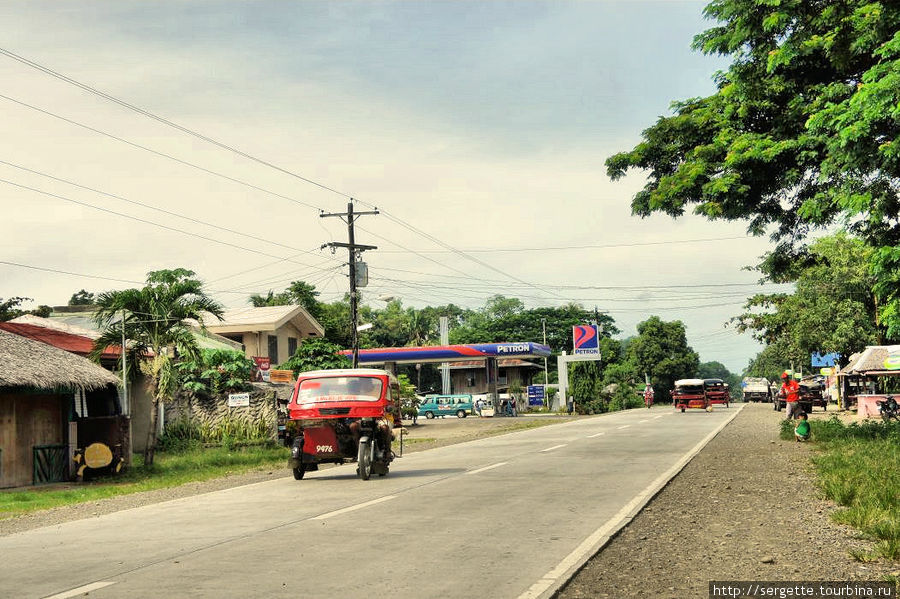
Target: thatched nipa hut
[[38, 384]]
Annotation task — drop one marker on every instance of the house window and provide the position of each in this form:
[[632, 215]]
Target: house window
[[273, 349], [470, 379], [292, 346], [501, 379]]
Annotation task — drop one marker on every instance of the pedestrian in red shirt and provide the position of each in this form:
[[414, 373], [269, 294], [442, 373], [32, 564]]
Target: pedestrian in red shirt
[[790, 391]]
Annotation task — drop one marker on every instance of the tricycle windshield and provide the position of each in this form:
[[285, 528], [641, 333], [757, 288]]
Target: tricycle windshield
[[689, 389], [340, 388]]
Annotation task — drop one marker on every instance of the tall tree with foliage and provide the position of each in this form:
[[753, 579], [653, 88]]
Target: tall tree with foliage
[[802, 132], [661, 351], [833, 308], [155, 326]]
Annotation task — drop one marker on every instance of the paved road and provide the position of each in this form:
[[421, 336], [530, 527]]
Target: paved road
[[508, 516]]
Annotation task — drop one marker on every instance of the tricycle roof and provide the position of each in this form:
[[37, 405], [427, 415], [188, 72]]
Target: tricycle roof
[[688, 382]]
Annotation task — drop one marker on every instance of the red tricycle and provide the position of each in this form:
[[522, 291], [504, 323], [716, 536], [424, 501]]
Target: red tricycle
[[717, 391], [690, 393], [343, 415]]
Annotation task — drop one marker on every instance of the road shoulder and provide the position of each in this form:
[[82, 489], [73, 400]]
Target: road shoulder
[[745, 508]]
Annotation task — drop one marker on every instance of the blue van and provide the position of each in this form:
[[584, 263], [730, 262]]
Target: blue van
[[443, 405]]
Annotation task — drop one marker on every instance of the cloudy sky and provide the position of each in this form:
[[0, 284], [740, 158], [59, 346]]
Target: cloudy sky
[[477, 126]]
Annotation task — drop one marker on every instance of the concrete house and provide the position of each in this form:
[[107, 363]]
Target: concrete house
[[273, 332]]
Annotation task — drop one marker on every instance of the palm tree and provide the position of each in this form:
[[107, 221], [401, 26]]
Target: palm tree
[[154, 324]]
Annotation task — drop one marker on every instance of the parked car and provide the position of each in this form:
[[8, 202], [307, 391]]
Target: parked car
[[443, 405]]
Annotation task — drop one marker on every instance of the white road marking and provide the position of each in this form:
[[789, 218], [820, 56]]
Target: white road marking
[[592, 544], [643, 421], [81, 590], [491, 467], [554, 447], [624, 426], [595, 435], [660, 416], [353, 508]]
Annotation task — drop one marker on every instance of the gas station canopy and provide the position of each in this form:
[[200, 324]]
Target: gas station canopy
[[450, 353]]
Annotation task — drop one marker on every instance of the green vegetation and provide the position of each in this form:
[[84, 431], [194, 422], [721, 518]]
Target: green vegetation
[[801, 134], [315, 354], [214, 372], [154, 324], [859, 469], [229, 431], [169, 469]]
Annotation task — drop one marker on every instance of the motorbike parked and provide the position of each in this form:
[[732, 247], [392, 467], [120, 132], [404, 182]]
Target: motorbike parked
[[888, 408]]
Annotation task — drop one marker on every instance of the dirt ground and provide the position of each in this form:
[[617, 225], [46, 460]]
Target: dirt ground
[[745, 508], [427, 434]]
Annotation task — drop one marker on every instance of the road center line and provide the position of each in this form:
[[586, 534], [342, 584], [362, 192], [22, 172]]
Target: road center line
[[81, 590], [595, 435], [491, 467], [353, 508], [624, 426], [554, 447]]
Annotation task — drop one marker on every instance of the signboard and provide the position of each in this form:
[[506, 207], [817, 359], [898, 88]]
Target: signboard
[[238, 400], [585, 339], [281, 376], [821, 360], [535, 395], [262, 368], [892, 361]]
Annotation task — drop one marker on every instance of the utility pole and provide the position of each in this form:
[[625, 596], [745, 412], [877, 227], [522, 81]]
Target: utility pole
[[355, 250], [546, 377]]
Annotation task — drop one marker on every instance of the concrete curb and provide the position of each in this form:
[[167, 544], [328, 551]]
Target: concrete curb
[[552, 582]]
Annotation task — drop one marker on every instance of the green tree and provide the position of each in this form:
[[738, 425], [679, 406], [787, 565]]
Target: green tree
[[82, 298], [315, 354], [833, 308], [661, 351], [717, 370], [155, 325], [215, 371], [298, 293], [9, 309], [801, 133]]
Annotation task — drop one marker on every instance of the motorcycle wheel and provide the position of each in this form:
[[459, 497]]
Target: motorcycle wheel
[[364, 458], [299, 472]]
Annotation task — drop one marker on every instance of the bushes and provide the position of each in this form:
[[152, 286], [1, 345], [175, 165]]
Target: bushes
[[229, 430], [859, 469]]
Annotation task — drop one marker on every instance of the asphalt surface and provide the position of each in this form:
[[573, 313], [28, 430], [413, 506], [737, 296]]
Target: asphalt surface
[[508, 516]]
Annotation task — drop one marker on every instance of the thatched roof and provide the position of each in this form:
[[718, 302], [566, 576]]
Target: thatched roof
[[28, 363], [872, 361]]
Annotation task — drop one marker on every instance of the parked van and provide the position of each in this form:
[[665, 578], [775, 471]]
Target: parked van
[[443, 405]]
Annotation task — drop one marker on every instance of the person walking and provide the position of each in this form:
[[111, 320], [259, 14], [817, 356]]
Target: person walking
[[790, 391]]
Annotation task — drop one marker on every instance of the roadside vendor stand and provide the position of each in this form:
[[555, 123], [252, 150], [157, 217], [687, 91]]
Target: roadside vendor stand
[[865, 379]]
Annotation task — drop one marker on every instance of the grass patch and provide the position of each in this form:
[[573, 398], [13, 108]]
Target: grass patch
[[859, 469], [170, 469]]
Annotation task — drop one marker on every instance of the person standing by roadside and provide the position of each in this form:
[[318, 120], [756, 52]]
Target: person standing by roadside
[[790, 391]]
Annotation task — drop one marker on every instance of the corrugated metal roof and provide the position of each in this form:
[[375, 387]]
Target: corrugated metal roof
[[76, 344]]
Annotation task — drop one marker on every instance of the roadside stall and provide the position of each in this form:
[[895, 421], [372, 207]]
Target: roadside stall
[[866, 379]]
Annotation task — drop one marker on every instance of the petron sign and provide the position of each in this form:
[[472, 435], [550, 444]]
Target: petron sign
[[451, 353], [586, 339]]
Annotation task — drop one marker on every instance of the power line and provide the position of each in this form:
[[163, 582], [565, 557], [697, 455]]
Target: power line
[[161, 154], [142, 220], [243, 154], [156, 208], [160, 119]]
